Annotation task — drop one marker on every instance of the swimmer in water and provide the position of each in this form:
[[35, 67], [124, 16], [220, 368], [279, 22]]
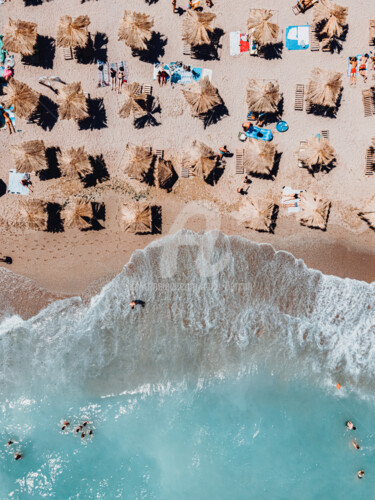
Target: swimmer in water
[[79, 428], [356, 446], [18, 456], [10, 442], [65, 424], [350, 426], [360, 474]]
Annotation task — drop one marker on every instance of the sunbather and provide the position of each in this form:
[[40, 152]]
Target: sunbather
[[291, 204], [363, 66], [292, 196], [209, 3], [246, 126], [120, 79], [353, 70], [8, 121], [193, 5], [7, 73]]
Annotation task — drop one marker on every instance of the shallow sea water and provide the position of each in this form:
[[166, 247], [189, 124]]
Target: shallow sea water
[[223, 386]]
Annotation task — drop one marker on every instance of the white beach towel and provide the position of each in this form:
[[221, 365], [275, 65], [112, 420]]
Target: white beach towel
[[234, 43], [208, 73], [14, 185], [288, 190]]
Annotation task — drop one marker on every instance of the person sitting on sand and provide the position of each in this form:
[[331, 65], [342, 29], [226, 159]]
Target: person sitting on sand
[[363, 67], [349, 425], [246, 126], [353, 70], [360, 474], [223, 151], [356, 446], [27, 183]]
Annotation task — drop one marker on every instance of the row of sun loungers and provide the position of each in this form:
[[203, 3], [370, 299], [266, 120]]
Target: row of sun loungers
[[372, 33], [314, 41], [368, 102]]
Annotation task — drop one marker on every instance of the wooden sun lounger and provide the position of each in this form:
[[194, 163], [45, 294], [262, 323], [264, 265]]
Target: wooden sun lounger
[[325, 45], [186, 49], [325, 134], [300, 9], [239, 161], [369, 161], [368, 102], [314, 41], [185, 169], [67, 53], [372, 32], [144, 89], [299, 97], [159, 153]]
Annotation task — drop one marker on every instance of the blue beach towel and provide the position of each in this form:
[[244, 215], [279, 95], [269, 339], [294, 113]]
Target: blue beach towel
[[297, 37]]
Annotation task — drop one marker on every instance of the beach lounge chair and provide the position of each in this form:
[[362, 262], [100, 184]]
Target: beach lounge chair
[[239, 161], [159, 153], [314, 41], [325, 45], [186, 49], [368, 102], [302, 7], [302, 147], [370, 161], [145, 89], [67, 53], [325, 134], [299, 97], [372, 32], [185, 169]]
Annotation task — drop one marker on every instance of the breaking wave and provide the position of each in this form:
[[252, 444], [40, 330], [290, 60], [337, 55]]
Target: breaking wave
[[214, 305]]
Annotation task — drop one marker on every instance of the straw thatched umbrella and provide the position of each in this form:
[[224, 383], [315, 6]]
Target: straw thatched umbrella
[[135, 29], [331, 17], [324, 88], [76, 213], [262, 29], [202, 97], [166, 174], [22, 97], [317, 154], [73, 32], [137, 218], [201, 159], [259, 157], [135, 103], [314, 211], [196, 27], [368, 213], [34, 214], [20, 37], [30, 156], [74, 163], [263, 97], [139, 161], [72, 102], [259, 214]]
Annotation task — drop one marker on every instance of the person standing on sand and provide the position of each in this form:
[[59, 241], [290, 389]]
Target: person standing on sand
[[6, 260], [120, 79], [174, 5], [113, 79]]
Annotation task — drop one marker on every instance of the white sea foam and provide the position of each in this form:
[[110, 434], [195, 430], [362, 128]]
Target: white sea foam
[[258, 307]]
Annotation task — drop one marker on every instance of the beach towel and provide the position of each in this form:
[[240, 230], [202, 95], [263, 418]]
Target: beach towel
[[14, 185], [297, 37], [11, 116], [105, 74], [234, 43], [206, 73], [181, 73], [288, 190], [244, 42], [159, 67], [358, 56]]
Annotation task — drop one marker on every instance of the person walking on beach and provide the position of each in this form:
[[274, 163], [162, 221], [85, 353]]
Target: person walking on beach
[[174, 5], [353, 71], [8, 122]]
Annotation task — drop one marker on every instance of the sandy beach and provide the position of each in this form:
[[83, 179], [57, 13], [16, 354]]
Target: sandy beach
[[75, 262]]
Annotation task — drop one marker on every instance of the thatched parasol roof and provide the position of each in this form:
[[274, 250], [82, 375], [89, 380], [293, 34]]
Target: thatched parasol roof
[[72, 102], [368, 213], [259, 157], [317, 154], [30, 156], [314, 211], [324, 88], [74, 163], [196, 27], [20, 37], [166, 174], [76, 213], [139, 161], [137, 218], [73, 32], [258, 214], [34, 214], [262, 29], [135, 29], [202, 96], [331, 16], [263, 96], [135, 103], [22, 97], [201, 159]]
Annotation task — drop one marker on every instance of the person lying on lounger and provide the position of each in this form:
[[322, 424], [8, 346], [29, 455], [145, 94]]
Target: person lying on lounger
[[363, 66]]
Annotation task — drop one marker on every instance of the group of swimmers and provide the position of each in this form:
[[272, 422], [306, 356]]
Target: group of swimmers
[[17, 455], [82, 428], [362, 67], [350, 426]]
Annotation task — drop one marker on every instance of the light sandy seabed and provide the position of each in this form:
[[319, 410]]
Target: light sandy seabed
[[72, 261]]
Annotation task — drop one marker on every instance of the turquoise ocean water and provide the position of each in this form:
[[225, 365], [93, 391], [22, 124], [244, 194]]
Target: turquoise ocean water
[[223, 386]]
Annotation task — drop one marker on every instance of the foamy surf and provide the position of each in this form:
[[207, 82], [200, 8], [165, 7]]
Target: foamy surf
[[215, 305]]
